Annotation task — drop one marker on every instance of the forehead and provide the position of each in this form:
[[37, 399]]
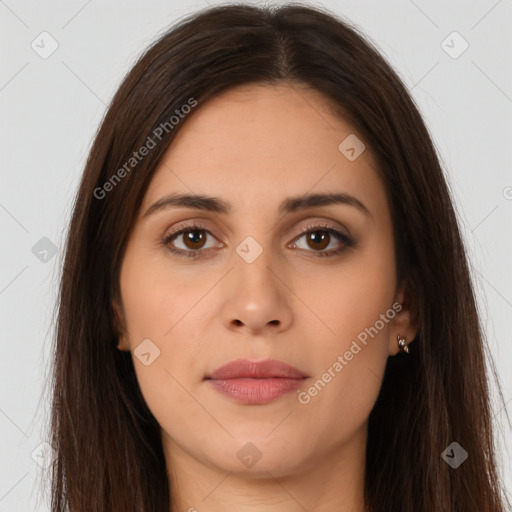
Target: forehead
[[264, 141]]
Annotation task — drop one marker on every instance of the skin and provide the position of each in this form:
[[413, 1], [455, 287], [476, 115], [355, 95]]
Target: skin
[[254, 146]]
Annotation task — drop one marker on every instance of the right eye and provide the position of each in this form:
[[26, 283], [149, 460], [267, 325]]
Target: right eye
[[192, 238]]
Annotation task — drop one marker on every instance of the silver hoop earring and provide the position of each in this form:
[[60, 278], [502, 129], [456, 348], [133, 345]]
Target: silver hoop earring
[[402, 345]]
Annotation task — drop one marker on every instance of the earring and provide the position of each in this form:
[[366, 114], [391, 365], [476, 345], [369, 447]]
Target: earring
[[402, 345]]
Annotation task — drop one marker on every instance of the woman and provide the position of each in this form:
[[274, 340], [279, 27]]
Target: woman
[[266, 302]]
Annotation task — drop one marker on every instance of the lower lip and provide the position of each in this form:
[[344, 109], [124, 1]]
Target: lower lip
[[255, 391]]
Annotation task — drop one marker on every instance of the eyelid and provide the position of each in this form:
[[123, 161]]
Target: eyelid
[[323, 224], [193, 224]]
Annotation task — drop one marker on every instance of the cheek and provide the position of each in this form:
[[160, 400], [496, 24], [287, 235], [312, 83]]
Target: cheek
[[355, 303], [352, 297], [350, 367], [156, 300], [168, 311]]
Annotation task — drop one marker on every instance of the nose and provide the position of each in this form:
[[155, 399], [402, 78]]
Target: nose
[[257, 299]]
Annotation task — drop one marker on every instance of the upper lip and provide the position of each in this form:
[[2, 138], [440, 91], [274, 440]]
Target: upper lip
[[264, 369]]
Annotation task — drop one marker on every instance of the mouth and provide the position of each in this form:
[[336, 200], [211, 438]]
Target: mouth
[[256, 382]]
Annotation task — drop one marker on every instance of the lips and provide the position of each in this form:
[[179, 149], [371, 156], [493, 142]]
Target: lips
[[266, 369], [256, 382]]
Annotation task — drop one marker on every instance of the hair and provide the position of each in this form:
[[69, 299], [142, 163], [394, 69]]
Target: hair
[[108, 447]]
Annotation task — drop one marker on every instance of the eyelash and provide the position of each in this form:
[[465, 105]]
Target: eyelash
[[194, 226]]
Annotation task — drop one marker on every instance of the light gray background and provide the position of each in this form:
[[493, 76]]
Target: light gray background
[[50, 110]]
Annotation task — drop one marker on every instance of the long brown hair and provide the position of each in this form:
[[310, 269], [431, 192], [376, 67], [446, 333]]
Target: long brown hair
[[107, 442]]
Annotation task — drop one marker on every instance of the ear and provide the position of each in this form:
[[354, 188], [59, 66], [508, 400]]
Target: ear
[[405, 322], [119, 326]]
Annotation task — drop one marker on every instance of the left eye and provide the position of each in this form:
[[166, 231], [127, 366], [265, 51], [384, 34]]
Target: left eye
[[320, 238]]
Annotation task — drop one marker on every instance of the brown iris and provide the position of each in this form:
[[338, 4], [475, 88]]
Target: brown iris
[[319, 236], [194, 239]]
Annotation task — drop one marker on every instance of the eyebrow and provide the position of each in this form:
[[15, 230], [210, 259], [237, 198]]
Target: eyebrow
[[289, 205]]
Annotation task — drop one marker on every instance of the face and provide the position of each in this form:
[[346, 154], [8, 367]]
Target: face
[[259, 277]]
